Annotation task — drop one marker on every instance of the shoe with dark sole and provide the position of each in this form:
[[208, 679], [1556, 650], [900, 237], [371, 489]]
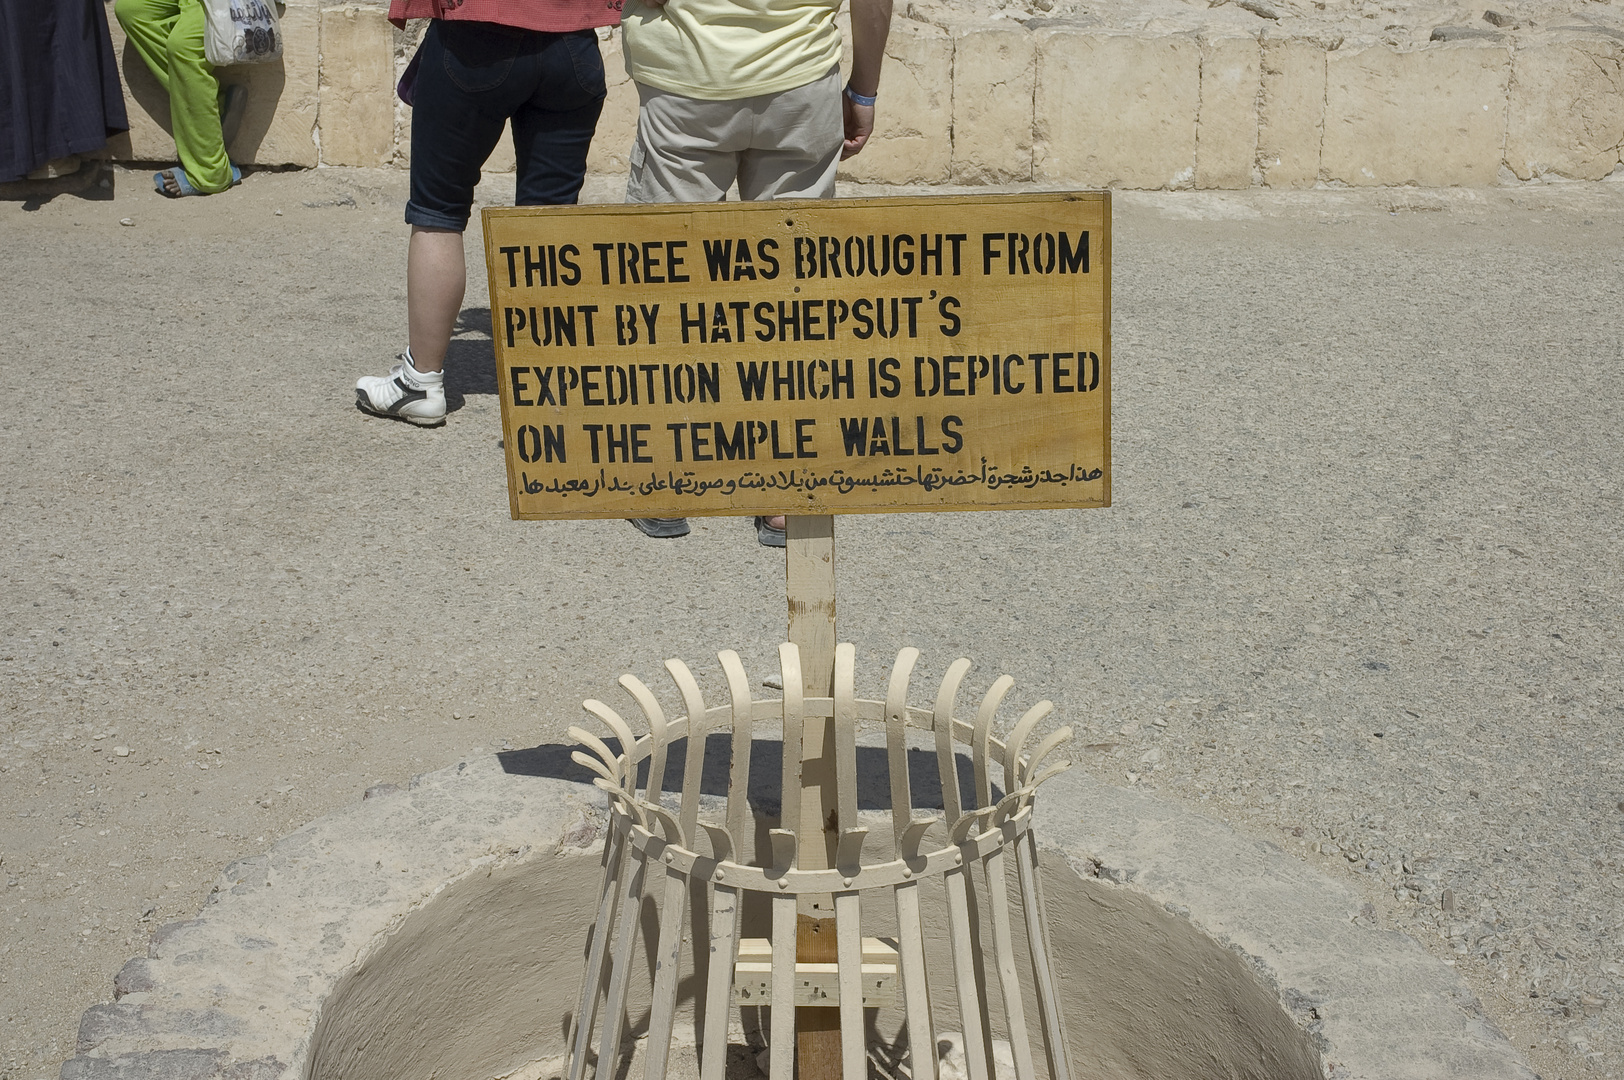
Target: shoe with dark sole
[[417, 397], [767, 535], [661, 528]]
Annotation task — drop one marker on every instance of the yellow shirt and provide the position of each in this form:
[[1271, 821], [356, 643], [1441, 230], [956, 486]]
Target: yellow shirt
[[721, 50]]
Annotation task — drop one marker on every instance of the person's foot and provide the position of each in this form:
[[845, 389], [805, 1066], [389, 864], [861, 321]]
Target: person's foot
[[418, 397], [661, 528], [174, 183], [769, 534]]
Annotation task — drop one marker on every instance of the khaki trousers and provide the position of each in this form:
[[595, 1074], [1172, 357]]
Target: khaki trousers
[[775, 146]]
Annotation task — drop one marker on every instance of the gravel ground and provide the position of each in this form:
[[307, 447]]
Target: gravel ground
[[1358, 594]]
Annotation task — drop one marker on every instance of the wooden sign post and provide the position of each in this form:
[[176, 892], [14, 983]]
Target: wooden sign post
[[809, 588], [809, 358]]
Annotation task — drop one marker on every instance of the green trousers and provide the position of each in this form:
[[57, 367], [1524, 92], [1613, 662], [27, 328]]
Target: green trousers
[[169, 36]]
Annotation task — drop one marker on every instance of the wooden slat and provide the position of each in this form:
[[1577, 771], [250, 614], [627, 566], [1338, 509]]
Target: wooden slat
[[783, 844], [976, 1052], [942, 722], [817, 1027], [620, 970], [614, 852], [915, 981], [789, 814], [849, 960], [739, 822], [896, 740], [668, 961], [1008, 974], [845, 721], [979, 953], [656, 728], [623, 732], [1045, 748], [591, 761], [1037, 938], [981, 744], [610, 759], [1017, 739], [782, 1039], [724, 943], [1050, 773], [721, 841], [693, 767], [852, 1047], [809, 588]]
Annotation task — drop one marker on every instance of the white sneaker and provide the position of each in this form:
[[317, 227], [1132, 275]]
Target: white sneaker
[[417, 397]]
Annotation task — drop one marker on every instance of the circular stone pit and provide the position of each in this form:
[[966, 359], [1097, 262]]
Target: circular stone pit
[[438, 932]]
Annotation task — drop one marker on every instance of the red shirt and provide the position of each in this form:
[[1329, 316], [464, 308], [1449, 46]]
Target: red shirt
[[553, 16]]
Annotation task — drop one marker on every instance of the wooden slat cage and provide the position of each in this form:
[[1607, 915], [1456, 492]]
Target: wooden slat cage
[[650, 848]]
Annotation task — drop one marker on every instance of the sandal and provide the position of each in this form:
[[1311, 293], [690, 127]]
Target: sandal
[[179, 176], [767, 535]]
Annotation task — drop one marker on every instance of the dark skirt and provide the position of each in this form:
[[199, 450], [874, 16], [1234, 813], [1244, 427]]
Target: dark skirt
[[59, 86]]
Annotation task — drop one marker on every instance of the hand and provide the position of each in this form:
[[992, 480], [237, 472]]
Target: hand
[[859, 121]]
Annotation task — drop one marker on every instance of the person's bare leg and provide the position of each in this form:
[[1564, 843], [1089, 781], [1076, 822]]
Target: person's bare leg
[[776, 522], [436, 277]]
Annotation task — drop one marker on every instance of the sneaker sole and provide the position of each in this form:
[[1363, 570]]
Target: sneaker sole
[[659, 530], [364, 403]]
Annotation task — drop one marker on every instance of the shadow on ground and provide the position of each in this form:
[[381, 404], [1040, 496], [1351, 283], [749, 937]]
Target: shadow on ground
[[470, 360], [552, 760]]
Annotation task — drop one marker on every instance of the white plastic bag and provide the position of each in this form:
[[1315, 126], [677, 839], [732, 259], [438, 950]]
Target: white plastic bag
[[241, 32]]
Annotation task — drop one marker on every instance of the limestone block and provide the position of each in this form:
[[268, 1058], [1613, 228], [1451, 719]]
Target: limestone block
[[1114, 110], [279, 125], [1226, 125], [912, 141], [1291, 112], [994, 72], [1567, 107], [1433, 116], [146, 104], [617, 126], [406, 44], [357, 86]]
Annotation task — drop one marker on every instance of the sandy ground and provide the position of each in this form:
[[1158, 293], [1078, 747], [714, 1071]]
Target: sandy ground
[[1359, 593]]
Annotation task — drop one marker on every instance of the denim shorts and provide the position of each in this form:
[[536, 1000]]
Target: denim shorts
[[472, 78]]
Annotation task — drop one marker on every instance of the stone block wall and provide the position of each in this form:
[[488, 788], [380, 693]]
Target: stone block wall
[[1007, 102]]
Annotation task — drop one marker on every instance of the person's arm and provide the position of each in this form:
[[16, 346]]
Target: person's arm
[[870, 26]]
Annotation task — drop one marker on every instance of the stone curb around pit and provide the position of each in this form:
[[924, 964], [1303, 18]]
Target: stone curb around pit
[[235, 994], [1376, 1002]]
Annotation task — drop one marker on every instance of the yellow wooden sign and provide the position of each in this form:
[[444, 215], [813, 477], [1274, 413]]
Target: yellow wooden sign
[[814, 357]]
